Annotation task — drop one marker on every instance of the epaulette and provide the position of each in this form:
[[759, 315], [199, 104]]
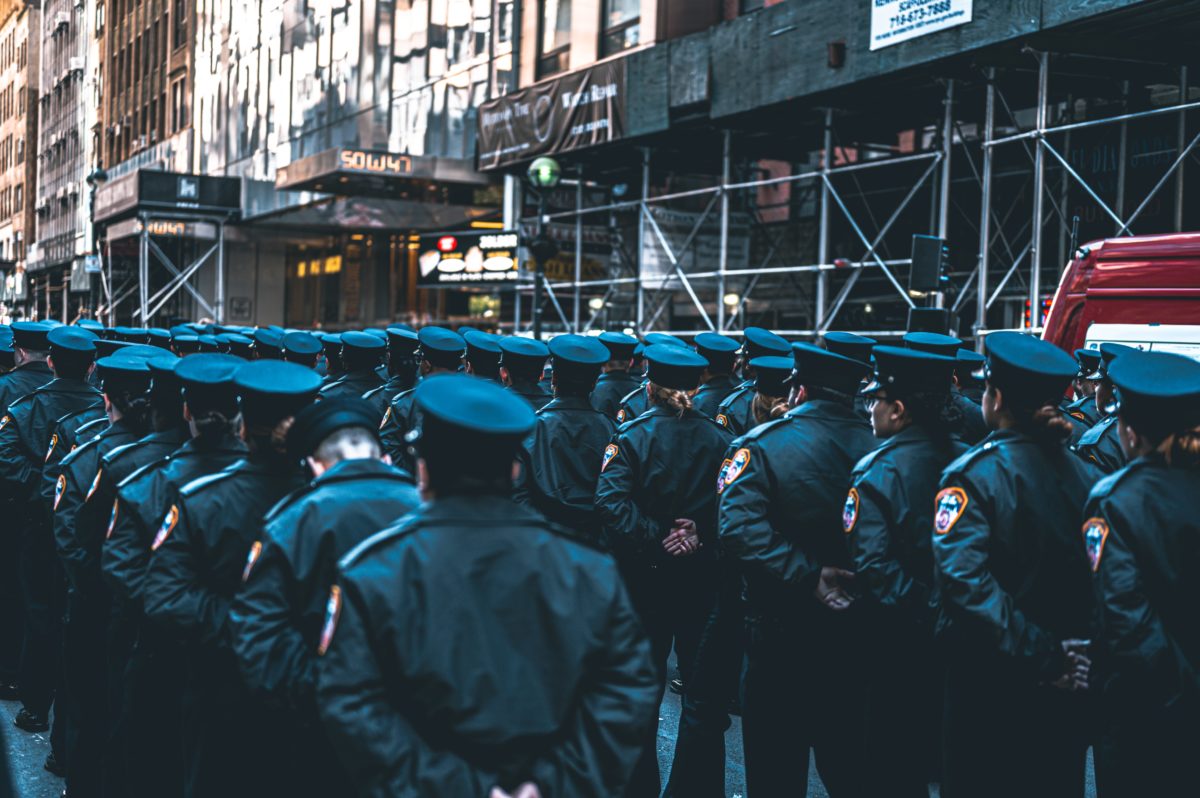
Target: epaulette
[[85, 428], [374, 391], [754, 433], [867, 459], [1105, 484], [1095, 432], [400, 395], [200, 483], [970, 455], [631, 394], [76, 452], [734, 394], [281, 505], [625, 426], [116, 453], [406, 525], [141, 471]]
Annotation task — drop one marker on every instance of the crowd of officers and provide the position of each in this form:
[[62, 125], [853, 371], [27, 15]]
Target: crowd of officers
[[449, 563]]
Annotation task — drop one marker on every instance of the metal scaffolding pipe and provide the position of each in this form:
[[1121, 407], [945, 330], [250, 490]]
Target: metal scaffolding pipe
[[823, 229], [723, 257], [1108, 120], [985, 216], [944, 193], [1039, 189], [1183, 93], [1122, 157], [641, 239], [578, 245]]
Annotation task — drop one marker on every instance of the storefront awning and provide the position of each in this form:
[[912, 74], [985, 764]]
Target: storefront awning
[[346, 171]]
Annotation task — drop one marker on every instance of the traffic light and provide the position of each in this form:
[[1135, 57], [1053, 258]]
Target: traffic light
[[930, 262]]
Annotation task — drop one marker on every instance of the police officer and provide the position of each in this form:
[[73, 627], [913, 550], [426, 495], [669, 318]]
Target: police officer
[[467, 697], [1140, 535], [1083, 407], [655, 498], [974, 429], [887, 518], [125, 381], [361, 353], [735, 413], [440, 352], [717, 381], [782, 494], [200, 554], [25, 433], [636, 402], [152, 700], [1011, 583], [402, 369], [1100, 445], [298, 347], [856, 347], [268, 344], [968, 373], [483, 354], [521, 363], [330, 364], [30, 351], [560, 461], [615, 381], [276, 617]]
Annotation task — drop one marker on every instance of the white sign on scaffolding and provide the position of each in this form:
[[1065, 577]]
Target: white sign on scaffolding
[[895, 21]]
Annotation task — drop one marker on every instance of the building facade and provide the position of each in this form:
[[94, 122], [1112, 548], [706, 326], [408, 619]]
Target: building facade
[[19, 54]]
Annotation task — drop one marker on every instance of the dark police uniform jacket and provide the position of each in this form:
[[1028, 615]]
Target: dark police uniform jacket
[[354, 383], [611, 388], [1010, 576], [660, 467], [277, 615], [65, 441], [736, 411], [1142, 538], [427, 696], [531, 392], [633, 404], [707, 400], [1084, 410], [143, 499], [1101, 445], [398, 421], [783, 490], [23, 380], [888, 516], [974, 428], [381, 396], [560, 463]]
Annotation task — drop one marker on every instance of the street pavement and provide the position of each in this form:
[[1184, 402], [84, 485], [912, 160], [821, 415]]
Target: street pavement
[[25, 754]]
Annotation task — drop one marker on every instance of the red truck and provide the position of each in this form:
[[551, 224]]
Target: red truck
[[1129, 280]]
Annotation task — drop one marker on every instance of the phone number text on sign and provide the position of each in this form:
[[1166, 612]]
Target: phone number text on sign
[[895, 21]]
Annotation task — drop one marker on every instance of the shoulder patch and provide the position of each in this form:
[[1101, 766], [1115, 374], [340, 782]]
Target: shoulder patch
[[387, 416], [333, 611], [1095, 432], [252, 558], [112, 519], [610, 452], [1078, 415], [948, 508], [50, 448], [59, 487], [95, 484], [721, 475], [723, 420], [1095, 534], [850, 511], [168, 526], [737, 464], [4, 421], [621, 414]]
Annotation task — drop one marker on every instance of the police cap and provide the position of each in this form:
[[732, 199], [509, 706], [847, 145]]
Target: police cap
[[1089, 363], [933, 343], [675, 367], [186, 344], [819, 368], [72, 342], [718, 350], [467, 425], [272, 390], [181, 329], [1031, 372], [663, 339], [483, 352], [620, 346], [523, 354], [758, 342], [1160, 392], [159, 337], [1109, 353], [378, 332], [402, 340], [108, 346], [238, 344], [902, 372], [577, 356], [209, 343], [268, 343], [771, 373], [317, 421], [91, 324], [850, 345], [301, 347], [30, 335], [331, 342], [124, 372], [207, 382], [441, 347]]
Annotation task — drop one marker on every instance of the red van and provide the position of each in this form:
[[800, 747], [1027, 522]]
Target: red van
[[1130, 280]]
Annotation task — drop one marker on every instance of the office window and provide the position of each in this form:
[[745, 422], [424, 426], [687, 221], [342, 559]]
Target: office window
[[19, 197], [555, 45], [179, 23], [620, 28]]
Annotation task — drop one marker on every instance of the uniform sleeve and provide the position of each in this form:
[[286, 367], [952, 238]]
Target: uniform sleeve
[[391, 436], [1132, 631], [744, 526], [879, 573], [69, 496], [275, 659], [523, 484], [625, 525], [603, 738], [125, 553], [175, 590], [90, 525], [382, 753], [971, 593], [16, 471]]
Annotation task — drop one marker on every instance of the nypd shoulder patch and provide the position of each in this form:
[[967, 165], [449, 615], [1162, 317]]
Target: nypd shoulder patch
[[723, 420], [50, 448], [59, 487], [387, 416], [610, 452], [621, 415], [252, 558], [721, 474], [95, 485], [1095, 535], [737, 464], [850, 511], [168, 526], [333, 611], [948, 508], [112, 519]]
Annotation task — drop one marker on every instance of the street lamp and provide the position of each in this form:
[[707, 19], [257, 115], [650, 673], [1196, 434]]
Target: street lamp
[[543, 174]]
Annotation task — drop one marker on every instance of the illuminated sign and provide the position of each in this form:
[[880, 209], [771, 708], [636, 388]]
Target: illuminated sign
[[467, 258], [375, 163], [166, 227]]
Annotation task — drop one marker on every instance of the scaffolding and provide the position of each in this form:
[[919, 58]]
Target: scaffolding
[[957, 167]]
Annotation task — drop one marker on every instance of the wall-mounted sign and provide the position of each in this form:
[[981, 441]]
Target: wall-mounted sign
[[580, 109], [150, 190], [895, 21], [467, 258], [349, 171]]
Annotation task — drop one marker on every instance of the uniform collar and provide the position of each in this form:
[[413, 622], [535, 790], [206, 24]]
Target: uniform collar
[[624, 376], [487, 510], [569, 403], [69, 385], [34, 365], [721, 382], [354, 469], [823, 408], [526, 388]]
